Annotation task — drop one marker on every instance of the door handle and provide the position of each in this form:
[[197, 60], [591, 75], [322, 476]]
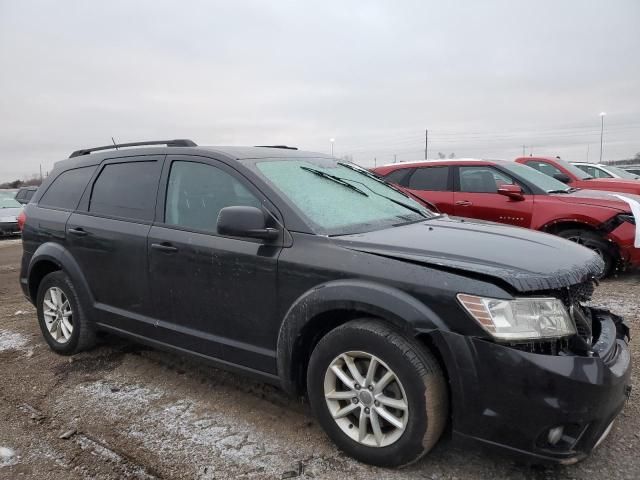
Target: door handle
[[464, 203], [164, 247], [78, 231]]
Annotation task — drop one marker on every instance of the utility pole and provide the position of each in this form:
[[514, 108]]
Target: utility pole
[[426, 144], [40, 173], [394, 158], [523, 147], [602, 115], [375, 162]]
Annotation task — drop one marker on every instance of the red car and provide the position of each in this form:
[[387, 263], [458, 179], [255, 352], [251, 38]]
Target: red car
[[575, 177], [508, 192]]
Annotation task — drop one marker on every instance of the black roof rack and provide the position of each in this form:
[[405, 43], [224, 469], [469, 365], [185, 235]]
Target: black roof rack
[[168, 143], [277, 146]]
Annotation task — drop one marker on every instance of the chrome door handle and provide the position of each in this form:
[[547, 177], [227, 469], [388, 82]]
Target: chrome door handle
[[164, 247], [79, 231], [464, 203]]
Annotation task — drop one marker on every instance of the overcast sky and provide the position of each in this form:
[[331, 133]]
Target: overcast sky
[[485, 77]]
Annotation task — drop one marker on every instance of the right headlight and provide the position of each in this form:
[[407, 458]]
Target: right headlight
[[521, 318]]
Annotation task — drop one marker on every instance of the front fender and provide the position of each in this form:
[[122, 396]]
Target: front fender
[[369, 298]]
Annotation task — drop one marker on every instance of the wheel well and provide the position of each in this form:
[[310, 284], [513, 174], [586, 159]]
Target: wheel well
[[38, 272], [316, 328], [556, 228], [323, 323]]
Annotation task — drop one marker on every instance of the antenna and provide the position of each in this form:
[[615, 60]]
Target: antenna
[[114, 143]]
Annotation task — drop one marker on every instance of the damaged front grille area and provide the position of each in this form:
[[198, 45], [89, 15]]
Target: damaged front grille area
[[573, 298]]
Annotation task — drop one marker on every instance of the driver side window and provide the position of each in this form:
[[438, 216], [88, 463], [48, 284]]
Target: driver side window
[[197, 192], [482, 179]]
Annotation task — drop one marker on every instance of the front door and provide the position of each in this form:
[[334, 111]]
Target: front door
[[213, 294], [477, 197]]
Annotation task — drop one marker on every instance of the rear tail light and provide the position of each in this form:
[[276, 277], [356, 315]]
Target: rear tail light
[[21, 219]]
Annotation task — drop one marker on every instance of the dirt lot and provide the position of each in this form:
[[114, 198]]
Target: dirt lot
[[125, 411]]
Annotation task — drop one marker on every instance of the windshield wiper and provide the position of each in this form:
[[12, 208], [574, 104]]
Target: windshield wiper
[[373, 177], [335, 179]]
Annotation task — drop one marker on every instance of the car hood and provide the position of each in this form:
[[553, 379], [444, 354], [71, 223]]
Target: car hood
[[612, 184], [9, 212], [600, 198], [525, 259]]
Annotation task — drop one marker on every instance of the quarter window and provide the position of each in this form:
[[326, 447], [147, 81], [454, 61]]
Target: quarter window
[[67, 188], [197, 192], [430, 178], [126, 190]]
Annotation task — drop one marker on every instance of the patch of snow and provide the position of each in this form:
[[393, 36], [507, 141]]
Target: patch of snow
[[12, 341], [7, 457]]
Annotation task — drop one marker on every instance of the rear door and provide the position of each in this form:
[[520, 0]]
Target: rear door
[[213, 294], [108, 238], [433, 184], [477, 196]]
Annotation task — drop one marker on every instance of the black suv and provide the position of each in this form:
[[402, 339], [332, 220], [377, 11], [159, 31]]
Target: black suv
[[312, 273]]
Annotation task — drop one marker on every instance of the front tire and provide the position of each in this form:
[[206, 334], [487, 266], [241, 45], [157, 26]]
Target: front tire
[[594, 242], [62, 320], [379, 395]]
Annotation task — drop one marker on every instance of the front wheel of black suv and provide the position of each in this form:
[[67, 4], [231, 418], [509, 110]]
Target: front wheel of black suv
[[379, 395], [62, 321]]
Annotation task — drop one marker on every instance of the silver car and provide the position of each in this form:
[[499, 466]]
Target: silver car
[[10, 208]]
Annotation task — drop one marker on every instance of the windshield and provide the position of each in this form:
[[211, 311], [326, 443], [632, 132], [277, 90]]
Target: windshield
[[339, 198], [7, 201], [539, 179], [623, 173]]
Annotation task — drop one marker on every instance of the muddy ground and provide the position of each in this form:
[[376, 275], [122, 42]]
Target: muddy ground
[[126, 411]]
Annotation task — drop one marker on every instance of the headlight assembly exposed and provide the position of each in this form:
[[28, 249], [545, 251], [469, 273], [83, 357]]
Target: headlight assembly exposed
[[521, 318]]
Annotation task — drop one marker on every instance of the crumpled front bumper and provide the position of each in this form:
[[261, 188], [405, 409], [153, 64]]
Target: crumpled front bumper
[[509, 399], [624, 237]]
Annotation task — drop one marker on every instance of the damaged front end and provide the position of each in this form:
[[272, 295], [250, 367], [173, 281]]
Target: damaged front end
[[550, 398], [588, 321]]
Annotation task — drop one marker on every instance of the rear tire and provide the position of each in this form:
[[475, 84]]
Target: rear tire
[[387, 424], [62, 320], [595, 242]]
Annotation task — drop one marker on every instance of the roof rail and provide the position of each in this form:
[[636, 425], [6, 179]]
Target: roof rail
[[168, 143], [277, 146]]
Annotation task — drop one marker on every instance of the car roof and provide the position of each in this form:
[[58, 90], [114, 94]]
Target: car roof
[[231, 152], [444, 161], [590, 164]]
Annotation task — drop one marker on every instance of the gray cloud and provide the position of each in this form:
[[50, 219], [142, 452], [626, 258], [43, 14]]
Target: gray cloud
[[484, 77]]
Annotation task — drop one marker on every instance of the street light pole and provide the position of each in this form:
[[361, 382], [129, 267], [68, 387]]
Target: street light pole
[[332, 140], [602, 115]]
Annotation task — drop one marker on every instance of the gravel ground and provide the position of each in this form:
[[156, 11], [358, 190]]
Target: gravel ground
[[126, 411]]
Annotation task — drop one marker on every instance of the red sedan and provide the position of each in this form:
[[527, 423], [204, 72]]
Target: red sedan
[[508, 192], [575, 177]]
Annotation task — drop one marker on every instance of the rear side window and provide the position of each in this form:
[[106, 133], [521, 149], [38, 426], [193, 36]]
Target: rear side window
[[430, 178], [398, 176], [126, 190], [197, 192], [66, 189], [28, 195]]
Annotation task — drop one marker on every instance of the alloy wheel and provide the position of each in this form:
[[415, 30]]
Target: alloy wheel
[[366, 399], [58, 315]]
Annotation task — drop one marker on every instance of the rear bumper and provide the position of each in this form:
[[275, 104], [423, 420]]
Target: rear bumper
[[509, 399]]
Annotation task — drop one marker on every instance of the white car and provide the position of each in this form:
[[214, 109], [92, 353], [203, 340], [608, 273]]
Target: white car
[[10, 208], [597, 170]]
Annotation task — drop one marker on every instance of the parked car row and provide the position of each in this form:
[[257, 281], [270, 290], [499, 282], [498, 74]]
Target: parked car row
[[542, 198], [396, 322]]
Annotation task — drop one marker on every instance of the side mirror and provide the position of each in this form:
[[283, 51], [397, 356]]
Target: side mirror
[[245, 222], [563, 177], [514, 192]]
